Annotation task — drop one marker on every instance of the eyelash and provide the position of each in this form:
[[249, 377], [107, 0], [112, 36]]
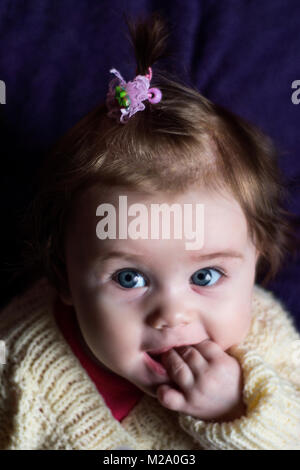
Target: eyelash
[[113, 274]]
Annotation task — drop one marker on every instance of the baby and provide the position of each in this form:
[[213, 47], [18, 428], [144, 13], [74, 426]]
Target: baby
[[188, 327]]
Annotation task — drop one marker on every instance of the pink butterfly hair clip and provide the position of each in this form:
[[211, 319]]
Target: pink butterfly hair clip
[[128, 97]]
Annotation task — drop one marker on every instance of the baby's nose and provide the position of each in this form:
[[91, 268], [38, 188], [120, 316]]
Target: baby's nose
[[171, 315]]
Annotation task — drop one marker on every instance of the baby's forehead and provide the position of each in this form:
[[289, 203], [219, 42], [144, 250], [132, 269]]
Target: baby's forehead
[[222, 215], [92, 197]]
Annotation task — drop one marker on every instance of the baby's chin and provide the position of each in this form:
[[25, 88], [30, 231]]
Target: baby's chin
[[148, 389]]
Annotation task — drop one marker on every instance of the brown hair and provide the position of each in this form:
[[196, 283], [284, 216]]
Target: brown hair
[[184, 140]]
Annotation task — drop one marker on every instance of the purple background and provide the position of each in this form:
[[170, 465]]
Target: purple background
[[55, 58]]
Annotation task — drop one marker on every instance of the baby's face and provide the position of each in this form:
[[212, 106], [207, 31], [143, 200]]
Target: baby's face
[[132, 296]]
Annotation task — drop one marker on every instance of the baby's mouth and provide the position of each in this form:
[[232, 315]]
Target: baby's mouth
[[155, 363], [157, 357]]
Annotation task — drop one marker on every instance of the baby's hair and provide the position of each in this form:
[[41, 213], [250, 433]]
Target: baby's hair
[[183, 141]]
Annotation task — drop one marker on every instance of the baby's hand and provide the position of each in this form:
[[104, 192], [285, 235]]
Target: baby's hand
[[209, 382]]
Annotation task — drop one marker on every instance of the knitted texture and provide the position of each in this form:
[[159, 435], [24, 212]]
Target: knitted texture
[[48, 401]]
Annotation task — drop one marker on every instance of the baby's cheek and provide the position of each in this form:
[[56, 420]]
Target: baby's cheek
[[122, 338], [231, 324]]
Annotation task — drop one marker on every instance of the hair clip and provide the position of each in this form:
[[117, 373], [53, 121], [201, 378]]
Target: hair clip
[[128, 97]]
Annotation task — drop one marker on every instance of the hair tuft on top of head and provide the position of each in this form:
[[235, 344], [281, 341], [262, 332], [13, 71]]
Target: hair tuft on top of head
[[148, 37]]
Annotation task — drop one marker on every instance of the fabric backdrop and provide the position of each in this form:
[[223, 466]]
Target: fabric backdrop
[[55, 57]]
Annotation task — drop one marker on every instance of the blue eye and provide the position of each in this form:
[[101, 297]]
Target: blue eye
[[129, 278], [203, 277]]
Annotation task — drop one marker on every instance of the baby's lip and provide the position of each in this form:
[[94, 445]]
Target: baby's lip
[[156, 352]]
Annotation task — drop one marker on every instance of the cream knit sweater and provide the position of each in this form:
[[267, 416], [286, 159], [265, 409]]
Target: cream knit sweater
[[48, 401]]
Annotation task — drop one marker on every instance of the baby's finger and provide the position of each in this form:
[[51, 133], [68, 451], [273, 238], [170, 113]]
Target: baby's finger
[[209, 349], [193, 358], [170, 398], [178, 370]]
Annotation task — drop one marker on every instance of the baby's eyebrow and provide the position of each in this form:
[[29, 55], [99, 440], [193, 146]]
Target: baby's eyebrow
[[219, 254], [196, 257], [120, 254]]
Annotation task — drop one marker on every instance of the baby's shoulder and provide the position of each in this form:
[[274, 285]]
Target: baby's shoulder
[[20, 316]]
